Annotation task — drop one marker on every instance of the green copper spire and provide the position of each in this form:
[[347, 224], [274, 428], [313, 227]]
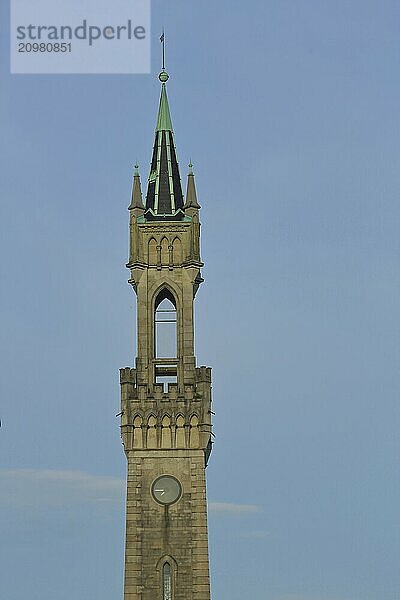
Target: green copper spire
[[164, 122]]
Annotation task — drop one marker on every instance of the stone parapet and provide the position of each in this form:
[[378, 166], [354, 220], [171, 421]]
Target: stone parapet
[[152, 418]]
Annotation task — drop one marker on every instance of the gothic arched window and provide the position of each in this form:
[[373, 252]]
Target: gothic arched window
[[165, 326], [167, 581]]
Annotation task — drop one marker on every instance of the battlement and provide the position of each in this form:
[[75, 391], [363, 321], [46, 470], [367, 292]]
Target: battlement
[[179, 418], [132, 390]]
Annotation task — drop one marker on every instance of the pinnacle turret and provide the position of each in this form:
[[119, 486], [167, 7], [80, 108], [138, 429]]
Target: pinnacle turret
[[191, 196], [136, 199]]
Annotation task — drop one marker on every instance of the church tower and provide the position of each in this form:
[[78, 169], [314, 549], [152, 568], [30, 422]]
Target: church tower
[[166, 398]]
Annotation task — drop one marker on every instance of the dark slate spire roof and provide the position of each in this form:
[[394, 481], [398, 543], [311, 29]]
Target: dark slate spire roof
[[164, 199]]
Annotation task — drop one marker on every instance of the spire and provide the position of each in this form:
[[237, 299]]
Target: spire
[[136, 200], [164, 122], [191, 196], [164, 198]]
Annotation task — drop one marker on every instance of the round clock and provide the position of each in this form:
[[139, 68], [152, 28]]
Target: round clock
[[166, 489]]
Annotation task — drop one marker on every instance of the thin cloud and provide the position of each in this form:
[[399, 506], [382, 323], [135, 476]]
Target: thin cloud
[[254, 535], [300, 597], [226, 508], [40, 488], [30, 488]]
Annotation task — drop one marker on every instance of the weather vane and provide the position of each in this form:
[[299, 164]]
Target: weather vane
[[162, 40]]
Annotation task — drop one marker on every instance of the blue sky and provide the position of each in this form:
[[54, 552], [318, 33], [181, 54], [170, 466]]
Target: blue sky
[[289, 112]]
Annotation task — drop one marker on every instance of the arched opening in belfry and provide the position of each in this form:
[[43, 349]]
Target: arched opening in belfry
[[165, 325], [165, 338]]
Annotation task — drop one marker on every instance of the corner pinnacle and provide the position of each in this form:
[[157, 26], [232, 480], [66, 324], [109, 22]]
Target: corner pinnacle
[[136, 199]]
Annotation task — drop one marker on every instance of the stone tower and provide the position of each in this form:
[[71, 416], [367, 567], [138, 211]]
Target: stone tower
[[166, 398]]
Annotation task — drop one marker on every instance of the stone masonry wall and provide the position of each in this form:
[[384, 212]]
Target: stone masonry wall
[[155, 532]]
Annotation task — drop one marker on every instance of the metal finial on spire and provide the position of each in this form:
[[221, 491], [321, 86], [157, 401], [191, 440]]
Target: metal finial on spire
[[136, 168], [163, 76], [190, 167]]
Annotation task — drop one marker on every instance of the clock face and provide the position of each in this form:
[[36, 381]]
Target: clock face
[[166, 489]]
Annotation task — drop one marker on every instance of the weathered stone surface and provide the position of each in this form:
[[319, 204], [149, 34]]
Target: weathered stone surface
[[166, 432]]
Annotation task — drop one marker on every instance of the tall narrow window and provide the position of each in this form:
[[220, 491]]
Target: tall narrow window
[[165, 339], [167, 584], [165, 326]]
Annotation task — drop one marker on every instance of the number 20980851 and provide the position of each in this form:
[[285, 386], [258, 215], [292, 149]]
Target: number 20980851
[[43, 47]]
